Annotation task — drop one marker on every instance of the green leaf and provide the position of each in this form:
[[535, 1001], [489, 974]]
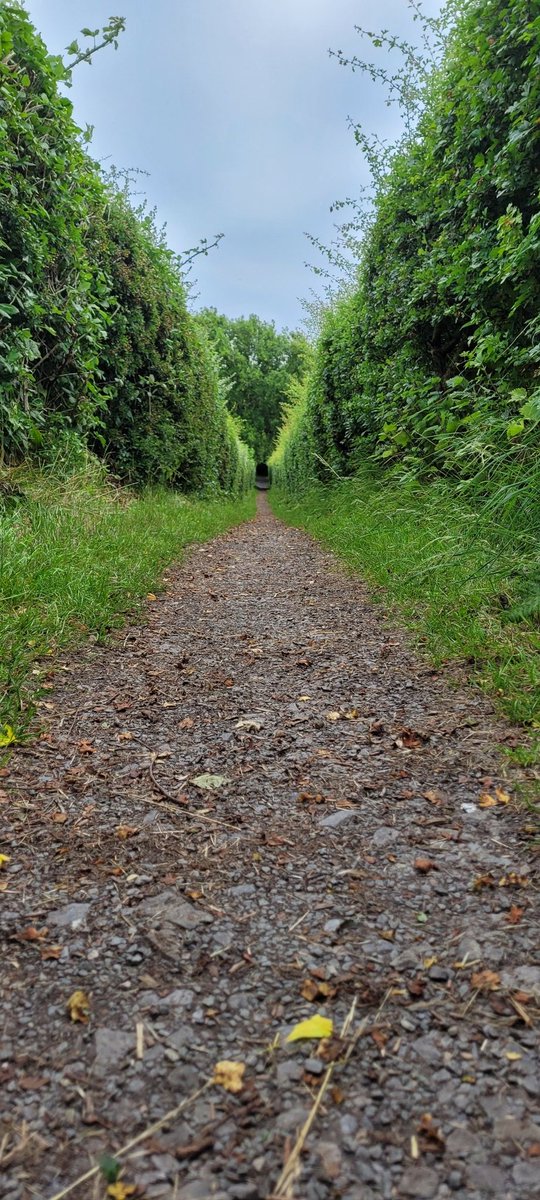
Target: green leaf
[[110, 1168], [515, 428]]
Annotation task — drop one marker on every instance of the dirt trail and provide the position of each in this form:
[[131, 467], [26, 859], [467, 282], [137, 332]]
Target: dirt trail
[[349, 859]]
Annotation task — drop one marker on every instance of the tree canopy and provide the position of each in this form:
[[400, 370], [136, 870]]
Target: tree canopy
[[259, 363]]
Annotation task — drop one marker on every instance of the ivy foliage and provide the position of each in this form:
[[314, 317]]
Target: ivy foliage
[[430, 362], [260, 363], [97, 347]]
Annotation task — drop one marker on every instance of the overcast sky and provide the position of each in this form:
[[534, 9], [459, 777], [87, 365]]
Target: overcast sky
[[239, 115]]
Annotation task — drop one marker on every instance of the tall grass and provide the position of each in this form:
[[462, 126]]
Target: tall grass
[[75, 557], [456, 573]]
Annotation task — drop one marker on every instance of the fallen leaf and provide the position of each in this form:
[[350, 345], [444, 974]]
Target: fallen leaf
[[515, 915], [50, 952], [125, 736], [78, 1007], [251, 725], [86, 747], [337, 1095], [333, 716], [388, 935], [314, 989], [110, 1168], [487, 801], [409, 739], [485, 981], [423, 865], [310, 798], [120, 1191], [431, 1140], [430, 962], [483, 881], [59, 818], [210, 783], [314, 1027], [151, 596], [31, 1083], [7, 737], [514, 880], [533, 1150], [31, 934], [187, 723], [229, 1075], [512, 1055], [433, 797], [4, 858], [502, 796], [126, 831]]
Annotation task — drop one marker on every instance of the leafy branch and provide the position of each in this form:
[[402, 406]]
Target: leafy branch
[[109, 35]]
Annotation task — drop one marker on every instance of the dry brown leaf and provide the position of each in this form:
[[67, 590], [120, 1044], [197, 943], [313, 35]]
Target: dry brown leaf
[[59, 817], [187, 723], [514, 916], [483, 881], [430, 1138], [50, 952], [485, 981], [487, 801], [31, 934], [86, 747], [126, 831], [315, 989], [424, 865], [229, 1075], [432, 796], [78, 1007], [514, 880]]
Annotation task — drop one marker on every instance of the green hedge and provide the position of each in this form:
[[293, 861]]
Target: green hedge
[[97, 346], [433, 361]]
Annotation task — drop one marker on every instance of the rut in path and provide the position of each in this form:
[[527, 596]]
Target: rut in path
[[348, 859]]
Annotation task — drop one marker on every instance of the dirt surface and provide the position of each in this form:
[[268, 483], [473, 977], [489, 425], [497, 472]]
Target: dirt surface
[[360, 863]]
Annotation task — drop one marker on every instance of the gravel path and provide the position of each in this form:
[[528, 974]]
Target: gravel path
[[359, 857]]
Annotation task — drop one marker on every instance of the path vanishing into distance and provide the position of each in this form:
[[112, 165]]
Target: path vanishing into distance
[[255, 809]]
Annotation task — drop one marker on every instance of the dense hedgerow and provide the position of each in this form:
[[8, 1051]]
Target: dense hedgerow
[[96, 344], [433, 361]]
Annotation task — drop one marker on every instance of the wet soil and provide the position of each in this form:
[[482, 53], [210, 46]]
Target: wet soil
[[357, 853]]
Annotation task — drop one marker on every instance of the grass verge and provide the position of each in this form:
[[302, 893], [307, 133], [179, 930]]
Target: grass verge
[[75, 557], [454, 574]]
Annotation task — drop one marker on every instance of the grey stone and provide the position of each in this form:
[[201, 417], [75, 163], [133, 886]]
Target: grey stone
[[330, 1160], [489, 1180], [419, 1181], [385, 836], [333, 925], [527, 1174], [289, 1072], [315, 1066], [72, 914], [112, 1047], [243, 889], [337, 818], [169, 908], [427, 1049]]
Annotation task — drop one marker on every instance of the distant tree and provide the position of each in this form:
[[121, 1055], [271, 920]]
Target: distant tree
[[259, 363]]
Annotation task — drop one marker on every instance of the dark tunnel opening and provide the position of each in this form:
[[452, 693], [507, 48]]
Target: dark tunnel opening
[[263, 476]]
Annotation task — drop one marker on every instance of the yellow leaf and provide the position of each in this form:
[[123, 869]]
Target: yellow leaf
[[151, 596], [120, 1191], [430, 962], [333, 716], [487, 801], [4, 858], [502, 796], [229, 1075], [8, 736], [78, 1007], [314, 1027], [512, 1055]]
